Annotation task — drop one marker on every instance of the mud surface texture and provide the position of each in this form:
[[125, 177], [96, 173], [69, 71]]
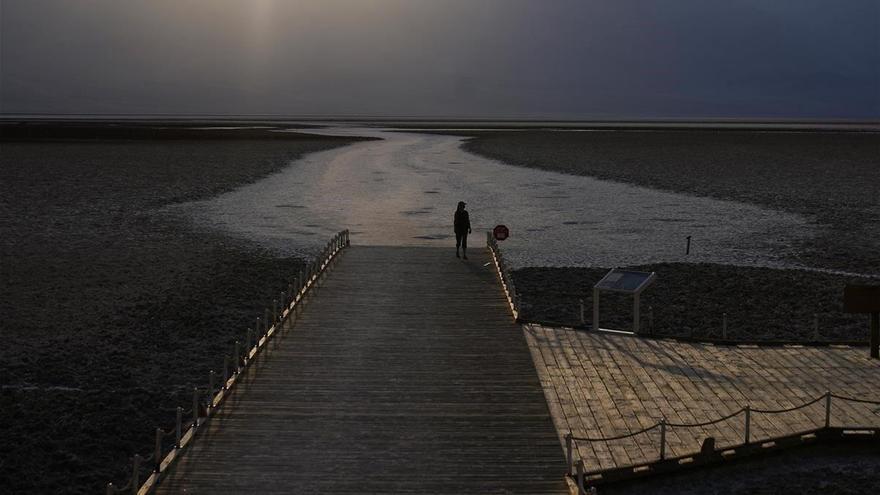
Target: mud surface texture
[[111, 311]]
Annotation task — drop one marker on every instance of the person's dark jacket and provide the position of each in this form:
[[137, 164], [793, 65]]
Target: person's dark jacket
[[462, 222]]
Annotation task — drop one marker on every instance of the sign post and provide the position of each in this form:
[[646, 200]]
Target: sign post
[[865, 299]]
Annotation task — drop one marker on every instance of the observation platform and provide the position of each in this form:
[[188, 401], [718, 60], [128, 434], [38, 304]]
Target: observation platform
[[603, 386], [404, 374]]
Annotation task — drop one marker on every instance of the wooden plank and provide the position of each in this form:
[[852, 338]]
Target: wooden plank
[[405, 374], [620, 384]]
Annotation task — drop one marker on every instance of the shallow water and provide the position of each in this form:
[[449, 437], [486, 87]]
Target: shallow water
[[403, 191]]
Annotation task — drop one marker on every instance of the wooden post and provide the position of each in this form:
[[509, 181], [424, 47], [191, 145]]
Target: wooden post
[[210, 389], [136, 474], [582, 490], [268, 320], [274, 310], [827, 409], [111, 490], [583, 318], [178, 427], [569, 453], [236, 355], [248, 338], [724, 326], [663, 439], [636, 315], [875, 335], [225, 371], [595, 309], [748, 424], [158, 453], [195, 407], [258, 331]]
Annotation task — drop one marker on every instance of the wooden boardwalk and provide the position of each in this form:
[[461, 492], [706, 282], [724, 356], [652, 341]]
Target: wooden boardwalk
[[405, 374], [601, 385]]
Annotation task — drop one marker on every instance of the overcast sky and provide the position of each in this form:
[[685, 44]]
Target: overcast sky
[[587, 59]]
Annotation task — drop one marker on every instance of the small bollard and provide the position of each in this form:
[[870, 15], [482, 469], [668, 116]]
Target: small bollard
[[249, 341], [178, 427], [195, 407], [158, 453], [724, 326], [257, 331], [136, 474]]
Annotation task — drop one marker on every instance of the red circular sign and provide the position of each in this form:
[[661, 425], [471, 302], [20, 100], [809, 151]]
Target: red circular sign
[[501, 232]]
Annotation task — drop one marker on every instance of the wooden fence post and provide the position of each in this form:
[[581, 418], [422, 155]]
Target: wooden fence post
[[827, 409], [136, 474], [663, 439], [178, 427], [195, 408], [569, 453], [158, 452], [748, 424]]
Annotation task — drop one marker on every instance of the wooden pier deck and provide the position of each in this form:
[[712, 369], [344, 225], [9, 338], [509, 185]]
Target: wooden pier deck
[[405, 374], [601, 385]]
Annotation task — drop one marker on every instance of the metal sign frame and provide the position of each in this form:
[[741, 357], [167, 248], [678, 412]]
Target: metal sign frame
[[623, 281]]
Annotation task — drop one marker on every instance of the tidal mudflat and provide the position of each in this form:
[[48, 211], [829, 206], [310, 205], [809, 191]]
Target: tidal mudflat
[[113, 310], [830, 179]]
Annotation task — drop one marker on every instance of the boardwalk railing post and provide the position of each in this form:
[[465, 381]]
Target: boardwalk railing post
[[274, 310], [569, 453], [158, 453], [583, 316], [195, 407], [748, 410], [211, 389], [250, 341], [663, 439], [111, 490], [268, 321], [827, 409], [225, 371], [178, 427], [258, 331], [236, 356], [135, 474], [582, 490]]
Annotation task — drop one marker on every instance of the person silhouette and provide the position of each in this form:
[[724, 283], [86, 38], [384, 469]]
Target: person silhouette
[[462, 226]]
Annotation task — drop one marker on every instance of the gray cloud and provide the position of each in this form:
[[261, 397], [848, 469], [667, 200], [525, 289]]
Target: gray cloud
[[467, 58]]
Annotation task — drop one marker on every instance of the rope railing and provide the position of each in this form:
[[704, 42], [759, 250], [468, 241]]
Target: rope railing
[[206, 401], [575, 467]]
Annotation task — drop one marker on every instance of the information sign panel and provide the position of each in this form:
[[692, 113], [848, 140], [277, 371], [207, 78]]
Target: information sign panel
[[627, 281]]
